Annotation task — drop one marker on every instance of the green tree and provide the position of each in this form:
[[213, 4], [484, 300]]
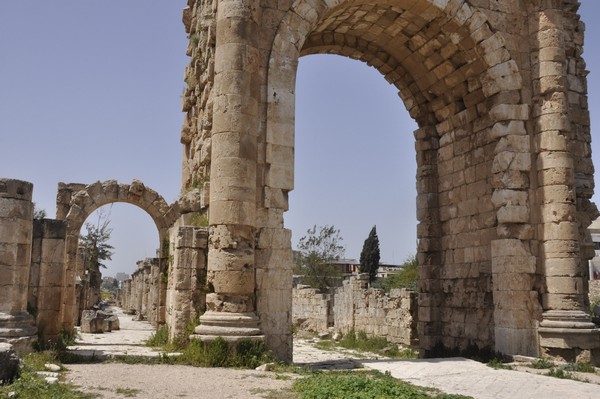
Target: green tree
[[38, 213], [316, 251], [94, 244], [369, 256]]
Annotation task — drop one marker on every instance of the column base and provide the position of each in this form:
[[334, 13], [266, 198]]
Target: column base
[[232, 327], [18, 330], [569, 335]]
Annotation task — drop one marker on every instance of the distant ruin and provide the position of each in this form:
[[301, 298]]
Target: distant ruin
[[504, 178]]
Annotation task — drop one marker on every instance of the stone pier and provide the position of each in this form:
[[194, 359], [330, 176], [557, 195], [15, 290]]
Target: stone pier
[[231, 308], [46, 274], [16, 229]]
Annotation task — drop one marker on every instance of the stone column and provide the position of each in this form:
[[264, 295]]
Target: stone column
[[16, 227], [566, 328], [232, 211]]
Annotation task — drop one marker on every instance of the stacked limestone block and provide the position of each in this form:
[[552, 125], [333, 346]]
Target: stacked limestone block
[[154, 291], [199, 22], [46, 275], [186, 286], [16, 226], [126, 296], [311, 309], [376, 313]]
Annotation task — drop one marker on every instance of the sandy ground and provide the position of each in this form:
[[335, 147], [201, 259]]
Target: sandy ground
[[113, 380], [116, 380]]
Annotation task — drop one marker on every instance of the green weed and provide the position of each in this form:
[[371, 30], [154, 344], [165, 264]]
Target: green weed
[[360, 385], [542, 364], [160, 338], [498, 364], [586, 367], [360, 341], [128, 392]]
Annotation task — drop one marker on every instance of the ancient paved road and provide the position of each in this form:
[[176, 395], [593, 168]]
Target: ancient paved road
[[454, 375], [129, 340], [468, 377]]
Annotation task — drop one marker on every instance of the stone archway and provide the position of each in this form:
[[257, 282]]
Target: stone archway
[[504, 170], [76, 202], [446, 62]]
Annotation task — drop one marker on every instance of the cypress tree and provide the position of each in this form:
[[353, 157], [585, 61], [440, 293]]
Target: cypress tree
[[369, 256]]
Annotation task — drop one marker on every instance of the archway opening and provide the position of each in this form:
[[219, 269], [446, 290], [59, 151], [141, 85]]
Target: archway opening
[[355, 157], [355, 168], [133, 243], [460, 85]]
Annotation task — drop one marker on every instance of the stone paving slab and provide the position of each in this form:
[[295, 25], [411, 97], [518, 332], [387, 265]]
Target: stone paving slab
[[468, 377], [128, 340]]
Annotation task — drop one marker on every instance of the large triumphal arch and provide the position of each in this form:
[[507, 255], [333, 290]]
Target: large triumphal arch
[[504, 174], [504, 170]]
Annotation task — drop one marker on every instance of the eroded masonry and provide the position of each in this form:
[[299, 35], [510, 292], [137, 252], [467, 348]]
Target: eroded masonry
[[505, 176]]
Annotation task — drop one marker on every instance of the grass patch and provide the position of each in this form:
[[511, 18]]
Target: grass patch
[[541, 364], [559, 373], [128, 392], [160, 338], [361, 385], [326, 345], [379, 345], [498, 364], [30, 386], [584, 367], [566, 371], [246, 353]]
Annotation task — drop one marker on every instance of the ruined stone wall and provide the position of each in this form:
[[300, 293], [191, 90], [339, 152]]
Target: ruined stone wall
[[46, 276], [356, 307], [378, 314], [311, 310]]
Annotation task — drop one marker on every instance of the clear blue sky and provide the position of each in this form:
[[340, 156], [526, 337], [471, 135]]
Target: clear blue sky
[[90, 90]]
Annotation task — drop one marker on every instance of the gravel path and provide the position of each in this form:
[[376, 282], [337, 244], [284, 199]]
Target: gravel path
[[114, 380]]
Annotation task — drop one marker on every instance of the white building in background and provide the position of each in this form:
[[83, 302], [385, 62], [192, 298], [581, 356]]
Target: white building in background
[[595, 263]]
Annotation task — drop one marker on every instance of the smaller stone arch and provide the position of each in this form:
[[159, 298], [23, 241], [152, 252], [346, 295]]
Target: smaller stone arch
[[76, 202]]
